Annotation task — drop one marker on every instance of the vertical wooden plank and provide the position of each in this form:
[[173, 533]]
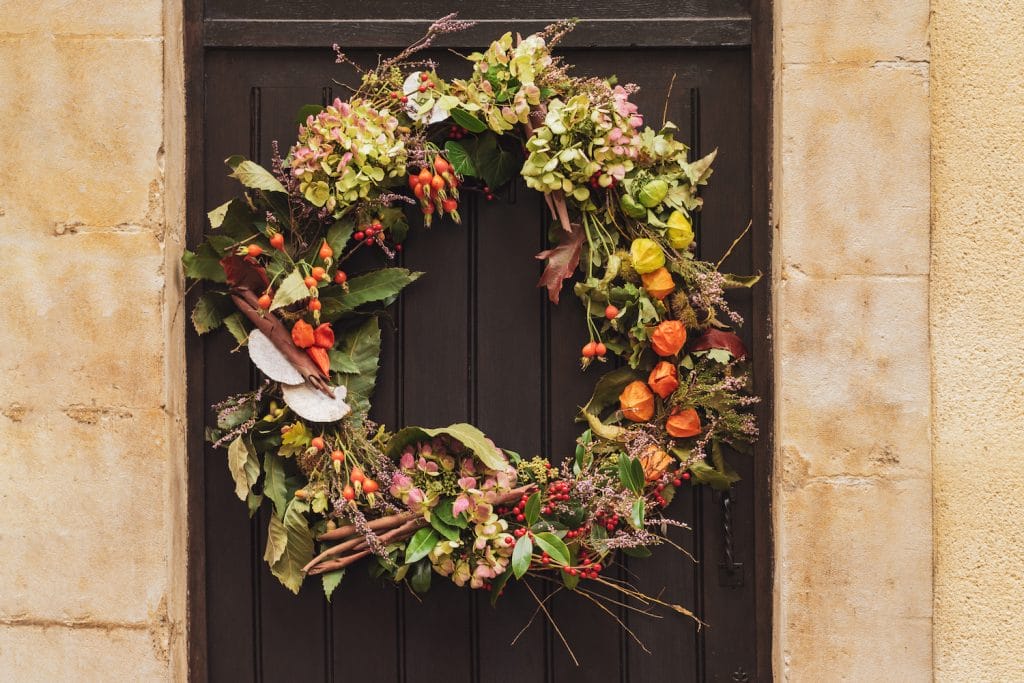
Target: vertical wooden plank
[[725, 124], [434, 347], [507, 392], [230, 580]]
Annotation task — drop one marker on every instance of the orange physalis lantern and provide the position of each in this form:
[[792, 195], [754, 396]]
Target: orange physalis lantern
[[658, 283], [663, 380], [302, 334], [637, 402], [654, 461], [668, 338], [683, 423]]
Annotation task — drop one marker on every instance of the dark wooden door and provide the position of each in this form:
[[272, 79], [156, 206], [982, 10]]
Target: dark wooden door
[[476, 341]]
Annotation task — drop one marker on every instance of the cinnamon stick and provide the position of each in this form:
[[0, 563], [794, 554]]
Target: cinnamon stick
[[270, 325]]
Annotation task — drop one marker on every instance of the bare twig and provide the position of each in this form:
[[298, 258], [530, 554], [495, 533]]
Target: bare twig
[[551, 620], [733, 245]]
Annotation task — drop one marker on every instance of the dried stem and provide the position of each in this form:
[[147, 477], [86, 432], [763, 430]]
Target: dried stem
[[551, 620]]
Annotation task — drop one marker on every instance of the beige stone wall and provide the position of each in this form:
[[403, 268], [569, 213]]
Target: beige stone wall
[[91, 332], [977, 329], [853, 485]]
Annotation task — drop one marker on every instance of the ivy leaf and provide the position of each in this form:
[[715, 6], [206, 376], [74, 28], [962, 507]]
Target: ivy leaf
[[467, 120], [274, 486], [422, 542], [298, 548], [251, 174], [209, 312], [470, 437], [493, 164], [553, 546], [561, 261], [305, 111], [360, 349], [376, 286], [460, 158], [291, 289], [203, 264], [243, 465], [421, 575], [522, 555], [532, 512], [331, 581]]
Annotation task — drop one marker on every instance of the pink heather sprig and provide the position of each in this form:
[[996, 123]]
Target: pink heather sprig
[[709, 294]]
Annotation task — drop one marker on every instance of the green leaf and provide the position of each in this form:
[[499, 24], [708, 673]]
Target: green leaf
[[209, 311], [291, 289], [375, 286], [235, 324], [639, 551], [298, 549], [243, 465], [422, 542], [339, 234], [553, 546], [498, 584], [443, 510], [739, 281], [610, 432], [203, 264], [216, 216], [532, 511], [277, 540], [467, 120], [331, 581], [627, 474], [494, 165], [471, 437], [305, 111], [460, 158], [274, 486], [442, 527], [251, 174], [253, 501], [522, 555], [360, 348], [342, 363], [636, 518], [421, 575], [706, 474]]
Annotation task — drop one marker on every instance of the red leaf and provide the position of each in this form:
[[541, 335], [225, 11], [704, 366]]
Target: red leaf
[[717, 339], [561, 261], [323, 336], [245, 272]]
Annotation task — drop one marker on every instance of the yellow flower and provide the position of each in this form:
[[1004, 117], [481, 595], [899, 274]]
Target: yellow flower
[[647, 256], [680, 230]]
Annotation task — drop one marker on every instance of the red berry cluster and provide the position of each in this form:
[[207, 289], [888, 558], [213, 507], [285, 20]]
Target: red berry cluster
[[395, 95], [457, 133], [558, 491], [608, 520], [586, 569], [578, 532], [592, 349], [437, 189], [519, 510], [595, 180]]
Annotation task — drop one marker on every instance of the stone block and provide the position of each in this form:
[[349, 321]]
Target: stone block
[[84, 494], [854, 581], [82, 133], [862, 31], [81, 653], [853, 377], [855, 170], [84, 323], [81, 17]]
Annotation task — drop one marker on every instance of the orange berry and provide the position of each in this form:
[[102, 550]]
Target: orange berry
[[314, 305], [309, 282], [277, 241], [357, 475], [319, 273], [317, 443], [589, 350], [264, 301], [255, 250], [325, 251], [340, 277], [338, 456], [370, 486], [348, 493]]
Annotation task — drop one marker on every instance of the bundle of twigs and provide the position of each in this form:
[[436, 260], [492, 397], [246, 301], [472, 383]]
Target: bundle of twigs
[[354, 545]]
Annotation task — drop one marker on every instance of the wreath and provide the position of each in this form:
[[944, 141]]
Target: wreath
[[420, 501]]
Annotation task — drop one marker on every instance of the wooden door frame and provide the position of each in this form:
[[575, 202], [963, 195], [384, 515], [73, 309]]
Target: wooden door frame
[[762, 153]]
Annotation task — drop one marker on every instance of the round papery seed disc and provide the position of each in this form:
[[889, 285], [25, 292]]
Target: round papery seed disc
[[314, 405], [270, 361]]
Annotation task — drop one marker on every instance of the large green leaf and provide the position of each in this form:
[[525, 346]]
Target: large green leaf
[[274, 486], [216, 216], [210, 311], [467, 120], [235, 324], [421, 543], [376, 286], [339, 234], [421, 575], [291, 289], [251, 174], [631, 473], [493, 164], [532, 511], [360, 348], [460, 157], [298, 549], [243, 465], [443, 511], [522, 555], [471, 437], [553, 546], [442, 527], [203, 264], [608, 389]]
